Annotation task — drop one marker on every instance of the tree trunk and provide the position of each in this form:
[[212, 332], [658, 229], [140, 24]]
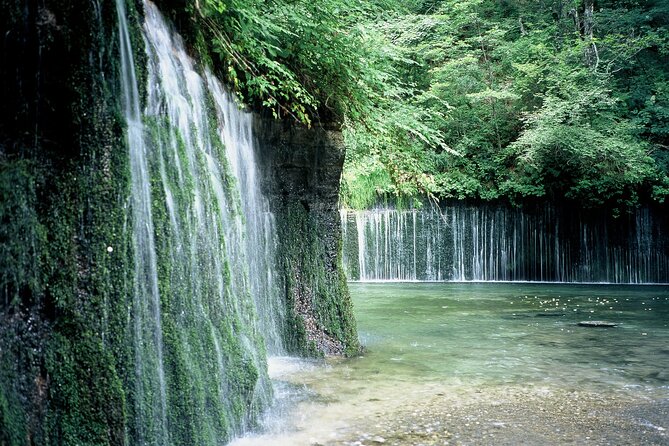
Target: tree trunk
[[587, 27]]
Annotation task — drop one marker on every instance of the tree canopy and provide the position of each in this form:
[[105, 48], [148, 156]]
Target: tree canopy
[[512, 99], [557, 99]]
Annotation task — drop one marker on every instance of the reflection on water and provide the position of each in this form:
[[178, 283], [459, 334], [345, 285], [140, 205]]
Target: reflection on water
[[483, 344]]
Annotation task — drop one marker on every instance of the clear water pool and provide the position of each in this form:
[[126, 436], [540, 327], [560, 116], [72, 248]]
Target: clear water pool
[[477, 363]]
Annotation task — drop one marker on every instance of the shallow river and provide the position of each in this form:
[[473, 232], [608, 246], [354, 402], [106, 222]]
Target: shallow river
[[485, 363]]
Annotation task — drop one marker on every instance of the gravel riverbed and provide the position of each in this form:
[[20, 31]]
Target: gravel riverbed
[[512, 416]]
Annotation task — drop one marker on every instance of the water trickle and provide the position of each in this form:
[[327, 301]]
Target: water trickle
[[495, 243], [207, 307], [149, 368], [237, 134]]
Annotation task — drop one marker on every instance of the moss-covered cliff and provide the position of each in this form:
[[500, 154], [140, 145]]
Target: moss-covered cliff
[[68, 346], [303, 169], [63, 189]]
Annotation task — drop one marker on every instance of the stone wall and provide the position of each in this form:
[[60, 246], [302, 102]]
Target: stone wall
[[63, 189], [302, 170]]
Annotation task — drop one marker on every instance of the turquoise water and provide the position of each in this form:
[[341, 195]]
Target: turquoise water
[[514, 333], [485, 363]]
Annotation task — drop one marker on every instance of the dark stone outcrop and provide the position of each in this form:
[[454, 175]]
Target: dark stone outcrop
[[302, 170], [597, 324]]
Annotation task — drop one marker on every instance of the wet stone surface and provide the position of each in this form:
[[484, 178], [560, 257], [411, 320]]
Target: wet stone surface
[[597, 324]]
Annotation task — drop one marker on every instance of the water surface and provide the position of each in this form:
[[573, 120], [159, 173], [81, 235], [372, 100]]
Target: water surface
[[475, 363], [514, 333]]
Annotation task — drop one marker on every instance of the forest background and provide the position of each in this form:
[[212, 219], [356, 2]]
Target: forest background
[[511, 100]]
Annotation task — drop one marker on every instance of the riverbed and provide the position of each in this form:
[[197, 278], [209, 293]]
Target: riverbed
[[484, 363]]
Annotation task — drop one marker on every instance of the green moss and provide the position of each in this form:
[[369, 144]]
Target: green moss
[[208, 401], [316, 289], [63, 324], [18, 365], [68, 371], [86, 389], [22, 237], [218, 151], [12, 416]]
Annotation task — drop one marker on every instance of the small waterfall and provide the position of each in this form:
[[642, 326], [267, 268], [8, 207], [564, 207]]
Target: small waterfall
[[261, 243], [207, 308], [150, 386], [459, 242]]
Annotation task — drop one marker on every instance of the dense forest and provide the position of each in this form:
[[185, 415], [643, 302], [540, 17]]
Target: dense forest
[[512, 99]]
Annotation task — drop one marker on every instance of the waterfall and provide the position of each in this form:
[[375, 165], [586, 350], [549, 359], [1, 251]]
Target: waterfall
[[149, 363], [261, 243], [460, 242], [206, 307]]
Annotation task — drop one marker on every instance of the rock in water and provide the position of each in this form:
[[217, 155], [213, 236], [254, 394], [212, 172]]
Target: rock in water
[[602, 324]]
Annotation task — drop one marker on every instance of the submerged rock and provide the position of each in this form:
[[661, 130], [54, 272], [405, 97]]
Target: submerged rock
[[601, 324]]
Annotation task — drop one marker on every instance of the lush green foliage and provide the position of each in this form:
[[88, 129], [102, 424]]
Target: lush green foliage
[[465, 99], [299, 58], [532, 102]]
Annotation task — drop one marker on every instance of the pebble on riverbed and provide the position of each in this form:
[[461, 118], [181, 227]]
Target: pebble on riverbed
[[511, 415]]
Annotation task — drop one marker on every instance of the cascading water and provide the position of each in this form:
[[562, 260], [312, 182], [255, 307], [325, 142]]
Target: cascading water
[[237, 136], [150, 387], [496, 243], [206, 302]]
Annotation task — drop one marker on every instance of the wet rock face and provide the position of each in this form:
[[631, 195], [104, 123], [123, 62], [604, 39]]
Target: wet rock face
[[63, 179], [301, 169], [302, 164]]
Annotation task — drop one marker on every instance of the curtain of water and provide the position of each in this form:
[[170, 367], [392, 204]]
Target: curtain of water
[[235, 130], [494, 243], [148, 342], [206, 300]]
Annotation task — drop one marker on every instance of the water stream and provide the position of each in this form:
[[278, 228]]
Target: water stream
[[206, 307], [148, 342]]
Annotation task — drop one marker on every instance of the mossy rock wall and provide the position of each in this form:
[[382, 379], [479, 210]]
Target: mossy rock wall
[[302, 170], [64, 183], [67, 351]]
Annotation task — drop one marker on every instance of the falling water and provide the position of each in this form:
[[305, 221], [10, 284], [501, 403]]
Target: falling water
[[496, 243], [146, 303], [237, 136], [207, 307]]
